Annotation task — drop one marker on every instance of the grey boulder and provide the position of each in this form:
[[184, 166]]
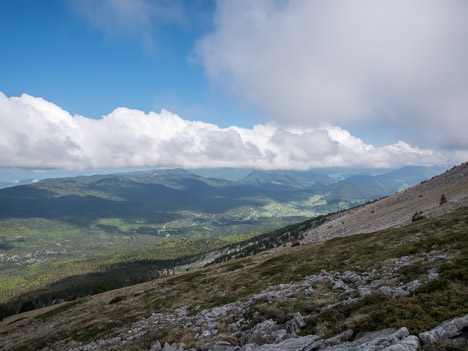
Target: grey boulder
[[447, 330]]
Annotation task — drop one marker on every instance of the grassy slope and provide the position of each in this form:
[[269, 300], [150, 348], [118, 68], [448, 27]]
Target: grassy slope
[[431, 304]]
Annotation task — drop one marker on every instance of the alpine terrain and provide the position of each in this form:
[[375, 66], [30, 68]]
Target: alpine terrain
[[388, 275]]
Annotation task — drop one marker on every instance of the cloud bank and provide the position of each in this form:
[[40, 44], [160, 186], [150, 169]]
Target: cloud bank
[[390, 63], [38, 134]]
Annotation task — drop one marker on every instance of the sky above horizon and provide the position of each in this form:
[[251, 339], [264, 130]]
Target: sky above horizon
[[293, 84]]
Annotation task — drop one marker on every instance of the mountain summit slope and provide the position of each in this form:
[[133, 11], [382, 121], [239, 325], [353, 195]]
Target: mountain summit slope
[[375, 289], [398, 209]]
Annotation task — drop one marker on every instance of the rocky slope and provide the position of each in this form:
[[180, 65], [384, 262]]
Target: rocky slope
[[402, 288], [397, 210]]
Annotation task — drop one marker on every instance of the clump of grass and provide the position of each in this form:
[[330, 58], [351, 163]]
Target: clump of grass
[[59, 309], [447, 345], [165, 301], [413, 271], [234, 266], [281, 310], [185, 277], [418, 313]]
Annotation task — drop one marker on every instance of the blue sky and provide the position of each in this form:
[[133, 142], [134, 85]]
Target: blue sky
[[52, 51], [265, 84]]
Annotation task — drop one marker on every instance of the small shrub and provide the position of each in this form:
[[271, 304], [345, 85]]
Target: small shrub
[[98, 289], [418, 215], [443, 199], [412, 271], [5, 311], [27, 306], [434, 285]]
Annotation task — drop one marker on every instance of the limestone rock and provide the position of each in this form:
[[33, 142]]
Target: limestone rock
[[350, 277], [308, 291], [364, 292], [385, 290], [172, 347], [339, 284], [447, 330], [219, 345], [378, 340], [296, 323], [156, 347], [335, 340], [267, 332], [410, 343], [115, 300], [293, 344]]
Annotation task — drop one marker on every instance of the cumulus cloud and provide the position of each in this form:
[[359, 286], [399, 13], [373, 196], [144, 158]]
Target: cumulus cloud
[[389, 63], [38, 134]]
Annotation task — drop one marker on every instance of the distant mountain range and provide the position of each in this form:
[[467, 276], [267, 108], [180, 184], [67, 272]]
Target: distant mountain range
[[159, 196]]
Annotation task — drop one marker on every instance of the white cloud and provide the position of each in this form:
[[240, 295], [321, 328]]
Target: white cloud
[[387, 63], [37, 134]]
